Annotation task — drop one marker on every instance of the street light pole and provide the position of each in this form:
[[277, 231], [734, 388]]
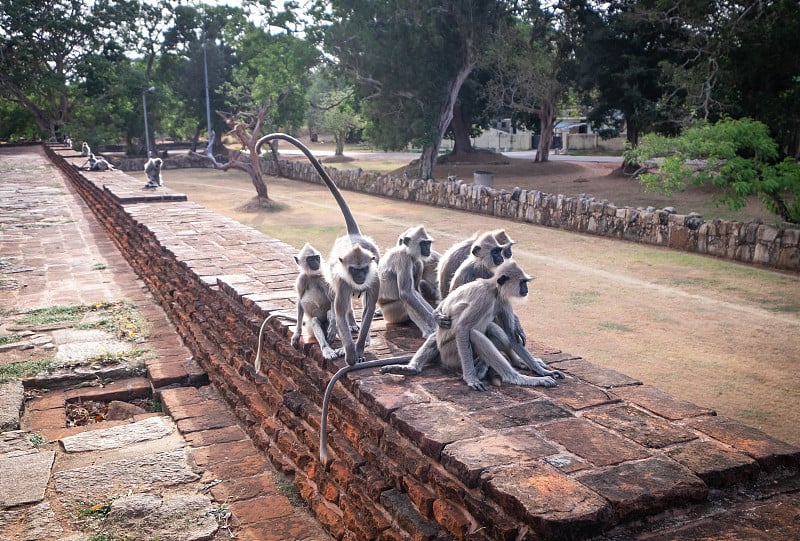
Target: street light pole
[[208, 102], [146, 129]]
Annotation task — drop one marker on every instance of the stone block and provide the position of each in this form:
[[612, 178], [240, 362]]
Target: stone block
[[519, 414], [432, 426], [467, 459], [641, 427], [596, 375], [556, 506], [577, 395], [768, 451], [637, 489], [717, 465], [592, 443], [660, 402]]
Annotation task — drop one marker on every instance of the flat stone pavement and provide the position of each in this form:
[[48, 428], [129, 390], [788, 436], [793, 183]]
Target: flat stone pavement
[[185, 472]]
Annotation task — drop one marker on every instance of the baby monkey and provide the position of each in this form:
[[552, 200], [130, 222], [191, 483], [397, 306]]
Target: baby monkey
[[314, 302]]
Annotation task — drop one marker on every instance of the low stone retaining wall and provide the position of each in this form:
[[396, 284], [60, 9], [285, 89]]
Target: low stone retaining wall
[[750, 242], [427, 458]]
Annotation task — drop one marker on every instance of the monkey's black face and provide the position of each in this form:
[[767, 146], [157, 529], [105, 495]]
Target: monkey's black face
[[425, 248], [497, 255], [313, 262], [507, 252], [359, 274], [523, 288]]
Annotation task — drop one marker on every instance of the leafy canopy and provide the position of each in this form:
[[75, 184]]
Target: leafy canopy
[[737, 156]]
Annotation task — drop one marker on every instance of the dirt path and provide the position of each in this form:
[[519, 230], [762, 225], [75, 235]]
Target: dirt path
[[719, 334]]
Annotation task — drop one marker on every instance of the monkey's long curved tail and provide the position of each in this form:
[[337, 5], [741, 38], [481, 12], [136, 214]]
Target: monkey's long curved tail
[[323, 426], [352, 226], [257, 363]]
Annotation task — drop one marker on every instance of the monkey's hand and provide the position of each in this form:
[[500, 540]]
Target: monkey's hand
[[442, 320], [328, 353], [295, 339]]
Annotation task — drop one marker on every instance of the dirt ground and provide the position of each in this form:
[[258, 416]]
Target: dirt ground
[[716, 333]]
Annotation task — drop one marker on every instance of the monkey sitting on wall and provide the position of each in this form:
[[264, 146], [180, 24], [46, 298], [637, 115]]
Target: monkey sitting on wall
[[152, 168], [85, 150], [485, 255], [471, 341], [400, 272], [354, 264], [315, 318], [459, 252]]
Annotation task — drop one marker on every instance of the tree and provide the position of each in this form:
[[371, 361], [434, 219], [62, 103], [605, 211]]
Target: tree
[[267, 93], [736, 156], [525, 70], [736, 58], [41, 44], [202, 40], [619, 63], [408, 61], [334, 108]]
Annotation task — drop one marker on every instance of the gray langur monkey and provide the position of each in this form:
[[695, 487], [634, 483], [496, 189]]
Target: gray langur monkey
[[96, 164], [314, 302], [400, 272], [85, 150], [152, 168], [459, 252], [470, 343], [485, 256], [353, 264]]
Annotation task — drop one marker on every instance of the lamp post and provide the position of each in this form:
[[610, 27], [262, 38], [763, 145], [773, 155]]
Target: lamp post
[[205, 76], [146, 130]]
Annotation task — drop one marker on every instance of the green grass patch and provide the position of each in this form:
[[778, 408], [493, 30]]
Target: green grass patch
[[120, 319], [607, 326], [24, 369], [37, 440], [582, 298], [287, 489], [10, 339], [99, 266], [53, 314]]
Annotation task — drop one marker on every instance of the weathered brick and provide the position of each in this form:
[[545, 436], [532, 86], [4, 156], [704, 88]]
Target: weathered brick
[[641, 427], [592, 443], [661, 403], [715, 464]]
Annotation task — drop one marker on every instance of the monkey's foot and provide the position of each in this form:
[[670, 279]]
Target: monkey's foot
[[328, 353], [545, 381]]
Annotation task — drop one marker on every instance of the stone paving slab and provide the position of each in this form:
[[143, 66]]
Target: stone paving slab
[[11, 399], [119, 436], [24, 478]]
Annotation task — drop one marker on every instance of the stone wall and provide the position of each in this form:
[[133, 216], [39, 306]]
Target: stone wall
[[427, 458], [751, 242]]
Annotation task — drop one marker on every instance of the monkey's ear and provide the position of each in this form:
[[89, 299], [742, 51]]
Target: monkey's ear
[[296, 260], [475, 250], [502, 279]]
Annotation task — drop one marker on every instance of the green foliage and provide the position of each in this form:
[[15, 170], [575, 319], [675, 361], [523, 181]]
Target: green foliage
[[736, 156], [24, 369]]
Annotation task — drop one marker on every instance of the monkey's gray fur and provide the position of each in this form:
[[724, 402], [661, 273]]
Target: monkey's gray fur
[[472, 340], [428, 280], [459, 252], [315, 319], [85, 150], [354, 265], [152, 168], [400, 270]]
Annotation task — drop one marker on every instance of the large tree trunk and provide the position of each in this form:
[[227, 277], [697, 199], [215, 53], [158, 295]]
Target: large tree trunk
[[339, 138], [460, 129], [431, 152], [632, 134], [547, 121]]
